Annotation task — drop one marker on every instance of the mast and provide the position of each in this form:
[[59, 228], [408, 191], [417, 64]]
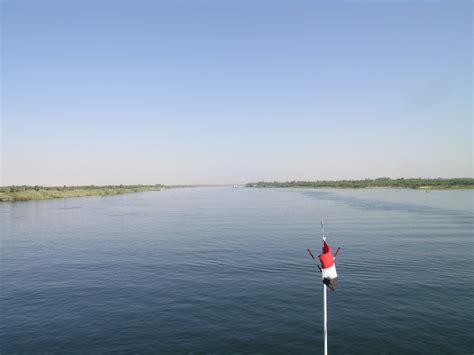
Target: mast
[[325, 305], [328, 269], [325, 310]]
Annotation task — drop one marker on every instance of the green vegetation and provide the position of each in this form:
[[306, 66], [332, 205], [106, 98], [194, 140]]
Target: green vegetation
[[458, 183], [25, 193]]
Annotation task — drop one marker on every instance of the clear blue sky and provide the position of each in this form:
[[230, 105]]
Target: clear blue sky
[[234, 91]]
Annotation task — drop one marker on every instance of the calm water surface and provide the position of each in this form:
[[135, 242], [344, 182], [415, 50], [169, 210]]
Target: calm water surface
[[226, 270]]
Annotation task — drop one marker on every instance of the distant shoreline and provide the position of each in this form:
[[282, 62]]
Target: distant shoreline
[[28, 193], [411, 183]]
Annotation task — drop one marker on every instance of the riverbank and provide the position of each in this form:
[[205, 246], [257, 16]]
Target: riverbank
[[422, 184], [26, 193]]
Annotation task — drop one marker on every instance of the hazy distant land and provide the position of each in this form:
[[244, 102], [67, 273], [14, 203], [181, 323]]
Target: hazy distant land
[[457, 183], [25, 193]]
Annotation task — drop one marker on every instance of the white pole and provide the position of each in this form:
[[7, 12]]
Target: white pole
[[325, 320], [325, 303]]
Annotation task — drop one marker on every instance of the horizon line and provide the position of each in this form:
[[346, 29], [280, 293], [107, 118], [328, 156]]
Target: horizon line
[[248, 182]]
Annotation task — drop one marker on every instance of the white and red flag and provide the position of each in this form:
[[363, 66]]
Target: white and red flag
[[328, 266]]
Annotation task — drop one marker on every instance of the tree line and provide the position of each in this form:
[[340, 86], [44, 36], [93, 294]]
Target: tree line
[[414, 183], [23, 188]]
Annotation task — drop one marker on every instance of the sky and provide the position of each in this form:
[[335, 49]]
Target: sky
[[229, 92]]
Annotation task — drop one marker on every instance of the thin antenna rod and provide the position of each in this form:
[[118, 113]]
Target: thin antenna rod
[[322, 230]]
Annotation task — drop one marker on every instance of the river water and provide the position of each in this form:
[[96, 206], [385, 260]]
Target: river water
[[221, 270]]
